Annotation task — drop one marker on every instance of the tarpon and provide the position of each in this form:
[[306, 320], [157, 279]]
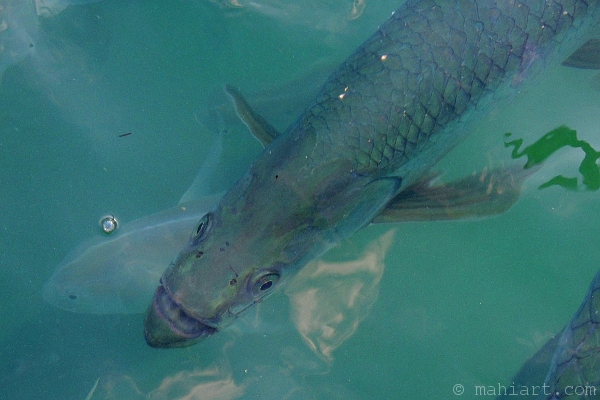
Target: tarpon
[[567, 366], [397, 105]]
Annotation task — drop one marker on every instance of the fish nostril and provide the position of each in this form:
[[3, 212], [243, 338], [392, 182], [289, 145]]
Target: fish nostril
[[72, 297], [199, 254]]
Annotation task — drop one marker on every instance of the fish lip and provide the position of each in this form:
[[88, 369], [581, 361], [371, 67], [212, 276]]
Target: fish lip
[[167, 324]]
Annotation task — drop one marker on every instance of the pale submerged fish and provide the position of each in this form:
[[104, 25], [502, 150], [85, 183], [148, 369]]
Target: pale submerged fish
[[117, 274]]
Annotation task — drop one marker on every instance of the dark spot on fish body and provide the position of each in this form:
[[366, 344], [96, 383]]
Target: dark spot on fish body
[[233, 281], [72, 297], [276, 176]]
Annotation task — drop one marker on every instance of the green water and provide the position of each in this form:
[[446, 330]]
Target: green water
[[458, 302]]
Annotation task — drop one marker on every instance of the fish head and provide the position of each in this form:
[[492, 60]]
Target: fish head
[[282, 214], [236, 257], [263, 230]]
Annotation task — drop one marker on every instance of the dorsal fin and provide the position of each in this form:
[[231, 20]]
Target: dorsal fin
[[208, 180], [257, 125], [585, 57]]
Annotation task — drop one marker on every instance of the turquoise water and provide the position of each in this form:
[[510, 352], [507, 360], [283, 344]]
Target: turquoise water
[[446, 303]]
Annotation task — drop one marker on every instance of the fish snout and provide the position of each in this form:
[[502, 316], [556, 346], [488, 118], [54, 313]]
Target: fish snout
[[168, 325]]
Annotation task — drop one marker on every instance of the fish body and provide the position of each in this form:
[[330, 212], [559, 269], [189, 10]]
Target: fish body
[[378, 124], [567, 365], [574, 368]]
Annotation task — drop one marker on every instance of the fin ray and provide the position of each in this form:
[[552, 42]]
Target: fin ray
[[479, 195], [257, 125]]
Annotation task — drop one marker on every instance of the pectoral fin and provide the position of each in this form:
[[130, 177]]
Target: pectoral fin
[[257, 125], [479, 195], [585, 57]]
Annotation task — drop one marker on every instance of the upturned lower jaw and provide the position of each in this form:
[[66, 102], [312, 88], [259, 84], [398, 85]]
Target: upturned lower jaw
[[168, 325]]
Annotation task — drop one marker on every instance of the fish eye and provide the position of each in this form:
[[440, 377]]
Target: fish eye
[[265, 284], [202, 229]]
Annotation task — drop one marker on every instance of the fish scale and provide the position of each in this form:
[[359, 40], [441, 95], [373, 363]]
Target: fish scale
[[431, 63]]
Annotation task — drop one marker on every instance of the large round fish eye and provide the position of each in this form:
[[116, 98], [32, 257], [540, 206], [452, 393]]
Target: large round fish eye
[[265, 284], [202, 229]]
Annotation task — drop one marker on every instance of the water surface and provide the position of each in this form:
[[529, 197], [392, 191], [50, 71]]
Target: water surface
[[456, 302]]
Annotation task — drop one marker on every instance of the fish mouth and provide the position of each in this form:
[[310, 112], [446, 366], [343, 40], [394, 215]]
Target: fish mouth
[[167, 324]]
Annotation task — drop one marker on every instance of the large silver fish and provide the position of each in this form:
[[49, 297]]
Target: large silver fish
[[379, 123]]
